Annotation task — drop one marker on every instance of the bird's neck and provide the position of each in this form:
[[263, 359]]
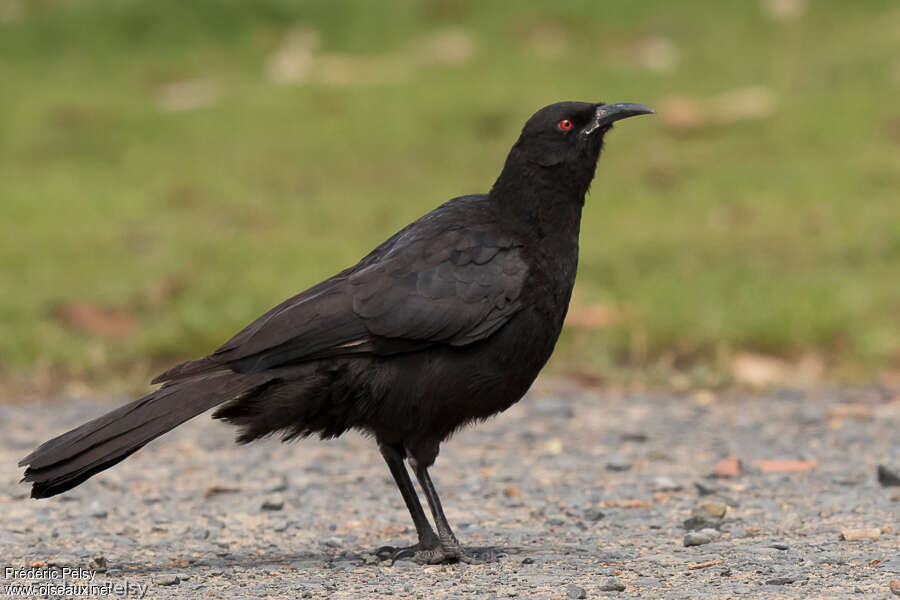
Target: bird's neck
[[540, 199]]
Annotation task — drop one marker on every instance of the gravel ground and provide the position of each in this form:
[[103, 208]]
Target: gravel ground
[[580, 493]]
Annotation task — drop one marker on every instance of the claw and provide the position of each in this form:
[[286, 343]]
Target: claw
[[441, 554], [469, 559], [404, 553], [385, 552], [395, 554]]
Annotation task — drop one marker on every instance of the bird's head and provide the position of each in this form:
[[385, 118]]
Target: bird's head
[[562, 142], [570, 132]]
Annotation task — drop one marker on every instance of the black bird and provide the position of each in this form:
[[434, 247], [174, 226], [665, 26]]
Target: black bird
[[447, 322]]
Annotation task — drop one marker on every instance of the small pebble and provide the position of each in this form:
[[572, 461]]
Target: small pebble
[[280, 525], [166, 579], [779, 546], [888, 477], [573, 591], [617, 462], [276, 487], [97, 511], [611, 584], [714, 509], [592, 514], [855, 535], [274, 503], [697, 538], [705, 490], [785, 579], [665, 484], [895, 587], [791, 522], [528, 561], [698, 522]]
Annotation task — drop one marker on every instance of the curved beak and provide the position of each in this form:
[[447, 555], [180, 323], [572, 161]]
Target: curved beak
[[606, 114]]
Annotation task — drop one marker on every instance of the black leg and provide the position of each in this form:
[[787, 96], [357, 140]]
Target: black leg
[[428, 540], [437, 511], [450, 548]]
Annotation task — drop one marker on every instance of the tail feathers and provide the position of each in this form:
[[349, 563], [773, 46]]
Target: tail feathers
[[68, 460], [191, 368]]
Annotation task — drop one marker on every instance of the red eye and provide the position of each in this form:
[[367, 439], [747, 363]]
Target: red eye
[[565, 125]]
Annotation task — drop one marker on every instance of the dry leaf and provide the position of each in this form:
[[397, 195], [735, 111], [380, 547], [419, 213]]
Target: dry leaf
[[96, 319], [546, 39], [293, 61], [190, 94], [728, 467], [747, 103], [784, 10], [216, 490], [757, 370], [751, 102], [628, 504], [593, 316], [861, 412], [703, 565], [553, 446], [585, 378], [450, 46], [657, 53], [784, 466], [161, 291], [855, 535], [681, 112]]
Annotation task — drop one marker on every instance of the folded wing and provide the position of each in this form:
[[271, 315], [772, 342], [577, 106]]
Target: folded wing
[[426, 285]]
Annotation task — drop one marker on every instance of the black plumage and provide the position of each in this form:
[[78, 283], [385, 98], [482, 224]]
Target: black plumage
[[447, 322]]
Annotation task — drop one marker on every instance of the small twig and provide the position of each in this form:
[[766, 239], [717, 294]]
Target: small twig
[[703, 565]]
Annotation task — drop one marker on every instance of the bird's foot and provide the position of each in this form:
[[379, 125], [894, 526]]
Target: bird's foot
[[440, 553]]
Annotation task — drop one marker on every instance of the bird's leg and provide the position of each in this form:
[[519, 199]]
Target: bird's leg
[[428, 540], [449, 546]]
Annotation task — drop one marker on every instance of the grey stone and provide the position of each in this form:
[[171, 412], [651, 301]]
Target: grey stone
[[611, 584], [617, 462], [666, 484], [274, 503], [280, 525], [573, 591], [592, 514], [888, 477], [97, 511], [785, 579], [704, 489], [698, 538], [276, 487], [891, 566], [697, 522], [167, 579]]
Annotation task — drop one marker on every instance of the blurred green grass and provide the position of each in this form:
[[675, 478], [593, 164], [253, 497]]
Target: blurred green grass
[[778, 235]]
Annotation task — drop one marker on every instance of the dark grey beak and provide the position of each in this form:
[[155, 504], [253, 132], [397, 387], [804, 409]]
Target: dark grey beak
[[606, 114]]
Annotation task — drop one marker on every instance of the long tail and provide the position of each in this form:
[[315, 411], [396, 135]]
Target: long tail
[[71, 458]]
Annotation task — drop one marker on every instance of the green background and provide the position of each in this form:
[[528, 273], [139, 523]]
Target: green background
[[170, 169]]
